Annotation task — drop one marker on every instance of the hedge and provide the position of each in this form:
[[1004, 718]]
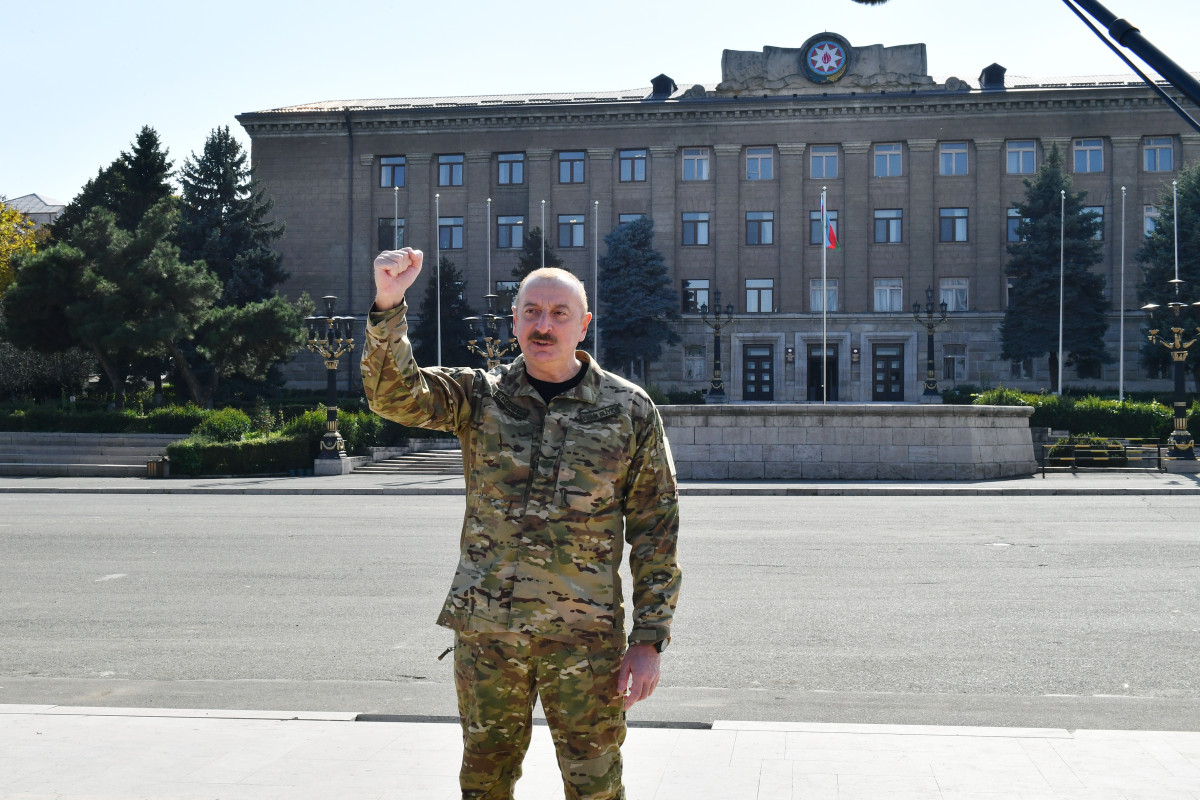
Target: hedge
[[1095, 416], [275, 453], [172, 419]]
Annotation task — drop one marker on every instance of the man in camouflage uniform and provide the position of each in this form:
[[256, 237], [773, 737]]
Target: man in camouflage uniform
[[562, 460]]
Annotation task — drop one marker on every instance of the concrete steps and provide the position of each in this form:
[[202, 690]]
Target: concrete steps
[[427, 462], [81, 455]]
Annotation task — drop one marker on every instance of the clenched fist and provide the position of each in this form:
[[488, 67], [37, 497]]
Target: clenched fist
[[395, 272]]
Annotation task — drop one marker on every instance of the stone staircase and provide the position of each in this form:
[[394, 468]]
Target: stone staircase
[[426, 462], [81, 455]]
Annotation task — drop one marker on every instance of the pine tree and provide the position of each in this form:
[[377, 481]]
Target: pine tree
[[1157, 256], [1031, 321], [225, 223], [531, 255], [635, 297], [455, 330]]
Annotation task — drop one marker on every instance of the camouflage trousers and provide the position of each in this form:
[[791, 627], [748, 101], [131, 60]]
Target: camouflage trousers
[[499, 676]]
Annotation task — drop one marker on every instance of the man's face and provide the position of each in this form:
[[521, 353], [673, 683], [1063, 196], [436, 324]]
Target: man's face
[[549, 323]]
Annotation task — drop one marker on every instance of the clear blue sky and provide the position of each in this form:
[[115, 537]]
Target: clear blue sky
[[84, 77]]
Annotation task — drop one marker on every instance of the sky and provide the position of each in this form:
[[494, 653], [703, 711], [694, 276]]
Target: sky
[[84, 77]]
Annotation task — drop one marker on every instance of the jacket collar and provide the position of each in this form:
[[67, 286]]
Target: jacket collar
[[514, 382]]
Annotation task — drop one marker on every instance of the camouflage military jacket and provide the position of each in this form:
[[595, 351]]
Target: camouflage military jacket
[[551, 492]]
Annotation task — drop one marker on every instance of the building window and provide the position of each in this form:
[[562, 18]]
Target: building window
[[633, 165], [831, 295], [1021, 157], [450, 233], [816, 234], [512, 168], [695, 163], [693, 363], [624, 219], [888, 225], [1013, 220], [510, 232], [506, 295], [391, 233], [760, 227], [889, 294], [823, 159], [695, 295], [570, 230], [1021, 369], [887, 161], [391, 171], [1149, 219], [954, 362], [954, 293], [759, 163], [953, 225], [570, 166], [450, 170], [760, 296], [953, 158], [1089, 155], [695, 228], [1098, 213], [1160, 156]]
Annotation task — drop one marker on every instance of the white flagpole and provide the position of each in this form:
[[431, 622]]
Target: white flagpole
[[395, 217], [1062, 269], [489, 246], [437, 211], [824, 300], [543, 234], [596, 276], [1121, 376]]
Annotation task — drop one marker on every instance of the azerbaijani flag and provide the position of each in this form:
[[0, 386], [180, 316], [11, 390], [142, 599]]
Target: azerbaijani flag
[[831, 240]]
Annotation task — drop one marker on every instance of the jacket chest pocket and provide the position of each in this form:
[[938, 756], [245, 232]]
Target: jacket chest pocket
[[593, 461], [503, 455]]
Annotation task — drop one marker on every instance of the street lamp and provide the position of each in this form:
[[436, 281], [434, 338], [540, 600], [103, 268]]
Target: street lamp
[[716, 390], [492, 325], [930, 395], [331, 337], [1182, 446]]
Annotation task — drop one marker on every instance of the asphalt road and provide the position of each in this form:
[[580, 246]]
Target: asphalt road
[[1074, 612]]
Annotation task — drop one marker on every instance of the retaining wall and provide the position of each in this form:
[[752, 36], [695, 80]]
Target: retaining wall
[[872, 441]]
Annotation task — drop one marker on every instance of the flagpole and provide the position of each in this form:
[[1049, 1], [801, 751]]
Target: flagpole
[[824, 300], [437, 275], [395, 217], [543, 234], [1062, 269], [596, 277], [1121, 376], [489, 245]]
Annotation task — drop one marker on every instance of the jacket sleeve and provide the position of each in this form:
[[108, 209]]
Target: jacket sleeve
[[438, 398], [651, 509]]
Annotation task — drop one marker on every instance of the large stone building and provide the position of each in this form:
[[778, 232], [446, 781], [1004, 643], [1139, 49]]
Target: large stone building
[[920, 174]]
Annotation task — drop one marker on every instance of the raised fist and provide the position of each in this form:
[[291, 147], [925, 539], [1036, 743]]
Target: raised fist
[[395, 272]]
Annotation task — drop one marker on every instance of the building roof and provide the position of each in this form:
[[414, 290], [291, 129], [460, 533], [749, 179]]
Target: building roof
[[683, 93], [35, 204]]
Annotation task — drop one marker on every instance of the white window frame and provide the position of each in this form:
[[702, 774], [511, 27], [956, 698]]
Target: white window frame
[[953, 159], [696, 163], [823, 154], [889, 295], [1088, 153], [760, 163], [831, 294], [955, 293], [889, 160], [1022, 154]]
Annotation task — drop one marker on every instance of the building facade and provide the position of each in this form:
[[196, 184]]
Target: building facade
[[920, 177]]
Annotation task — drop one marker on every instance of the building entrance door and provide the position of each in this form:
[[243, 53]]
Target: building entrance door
[[758, 372], [814, 373], [888, 373]]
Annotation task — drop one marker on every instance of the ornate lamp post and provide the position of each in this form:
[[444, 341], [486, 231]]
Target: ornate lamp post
[[930, 395], [716, 390], [331, 337], [493, 326], [1182, 446]]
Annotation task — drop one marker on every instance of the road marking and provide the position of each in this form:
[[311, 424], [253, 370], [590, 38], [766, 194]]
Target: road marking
[[112, 577]]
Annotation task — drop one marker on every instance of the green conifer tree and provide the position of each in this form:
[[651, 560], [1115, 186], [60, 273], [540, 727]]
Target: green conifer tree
[[638, 308], [455, 330]]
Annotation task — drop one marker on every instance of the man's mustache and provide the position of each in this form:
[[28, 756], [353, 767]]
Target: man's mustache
[[542, 338]]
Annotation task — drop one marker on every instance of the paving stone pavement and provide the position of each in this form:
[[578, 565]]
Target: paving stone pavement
[[159, 754]]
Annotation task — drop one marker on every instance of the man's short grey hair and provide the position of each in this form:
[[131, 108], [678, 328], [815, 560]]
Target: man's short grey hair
[[555, 274]]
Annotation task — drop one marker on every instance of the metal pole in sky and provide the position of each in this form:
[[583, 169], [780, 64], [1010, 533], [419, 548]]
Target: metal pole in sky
[[824, 300], [543, 234], [395, 217], [489, 245], [437, 275], [1062, 228], [1121, 369], [596, 276]]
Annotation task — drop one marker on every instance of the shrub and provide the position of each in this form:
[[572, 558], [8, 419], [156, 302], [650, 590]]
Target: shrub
[[961, 395], [226, 425], [309, 426], [275, 453], [176, 419], [1088, 450], [1000, 396], [693, 398]]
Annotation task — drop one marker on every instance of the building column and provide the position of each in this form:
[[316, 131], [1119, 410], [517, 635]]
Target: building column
[[540, 175], [662, 168], [1126, 167], [988, 225], [792, 228], [726, 227], [857, 217], [922, 226]]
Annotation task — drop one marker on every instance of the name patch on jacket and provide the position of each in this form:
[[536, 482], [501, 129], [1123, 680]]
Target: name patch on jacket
[[506, 402], [600, 413]]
